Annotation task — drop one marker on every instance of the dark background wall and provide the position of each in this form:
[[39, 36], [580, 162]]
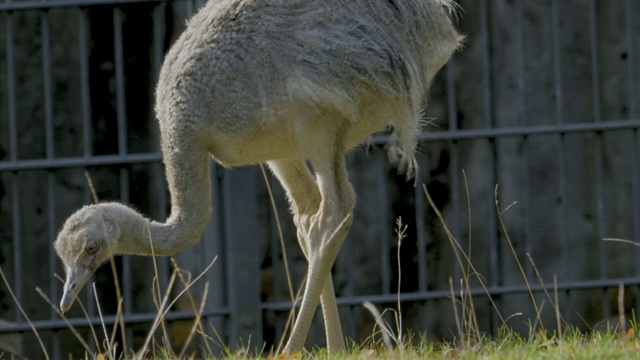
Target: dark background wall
[[543, 100]]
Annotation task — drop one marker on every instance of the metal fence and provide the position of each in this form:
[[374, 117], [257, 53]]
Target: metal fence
[[543, 100]]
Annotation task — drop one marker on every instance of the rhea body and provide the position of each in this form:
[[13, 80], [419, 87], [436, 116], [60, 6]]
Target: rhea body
[[289, 83]]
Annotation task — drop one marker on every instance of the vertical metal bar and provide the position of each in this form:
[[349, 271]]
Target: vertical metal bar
[[595, 66], [189, 8], [13, 156], [47, 80], [452, 111], [521, 63], [274, 244], [45, 34], [17, 242], [455, 200], [11, 90], [451, 95], [127, 289], [212, 246], [562, 177], [383, 218], [421, 234], [85, 96], [90, 303], [600, 205], [631, 69], [495, 261], [631, 60], [120, 82], [522, 112], [51, 200], [53, 282], [158, 178], [85, 104], [121, 116], [242, 258], [487, 98], [597, 117], [158, 37], [557, 63]]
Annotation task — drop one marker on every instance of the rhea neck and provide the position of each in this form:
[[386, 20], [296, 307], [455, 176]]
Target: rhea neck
[[139, 235], [188, 177]]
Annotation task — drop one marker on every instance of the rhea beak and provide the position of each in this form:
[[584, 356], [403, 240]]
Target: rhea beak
[[77, 276]]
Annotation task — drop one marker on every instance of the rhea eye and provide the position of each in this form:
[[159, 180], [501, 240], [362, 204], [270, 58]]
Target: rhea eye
[[91, 247]]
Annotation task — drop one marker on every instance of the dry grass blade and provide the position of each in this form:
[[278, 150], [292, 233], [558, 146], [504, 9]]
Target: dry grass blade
[[120, 318], [164, 307], [557, 308], [459, 251], [104, 328], [291, 317], [66, 321], [401, 234], [159, 317], [112, 343], [15, 300], [84, 312], [157, 294], [277, 218], [285, 259], [539, 277], [622, 318], [386, 333], [622, 241], [554, 303], [200, 328], [455, 310], [196, 323], [513, 252], [93, 189]]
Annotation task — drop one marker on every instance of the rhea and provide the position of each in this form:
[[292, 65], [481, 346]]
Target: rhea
[[295, 84]]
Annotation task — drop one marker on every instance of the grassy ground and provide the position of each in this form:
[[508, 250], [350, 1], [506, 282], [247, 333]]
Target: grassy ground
[[576, 345]]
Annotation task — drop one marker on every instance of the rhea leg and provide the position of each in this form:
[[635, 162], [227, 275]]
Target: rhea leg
[[304, 196], [325, 235]]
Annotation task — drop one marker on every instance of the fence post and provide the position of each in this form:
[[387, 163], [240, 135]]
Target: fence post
[[242, 239]]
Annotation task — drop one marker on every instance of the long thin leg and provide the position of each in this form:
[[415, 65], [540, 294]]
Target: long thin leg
[[305, 201], [325, 235]]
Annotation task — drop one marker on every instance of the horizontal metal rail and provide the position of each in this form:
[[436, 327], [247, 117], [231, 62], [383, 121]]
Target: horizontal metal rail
[[492, 291], [129, 319], [534, 130], [69, 162], [45, 5], [489, 133]]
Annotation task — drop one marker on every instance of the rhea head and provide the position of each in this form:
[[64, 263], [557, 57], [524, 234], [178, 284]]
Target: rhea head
[[83, 244]]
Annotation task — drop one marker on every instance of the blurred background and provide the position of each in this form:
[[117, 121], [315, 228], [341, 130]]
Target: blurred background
[[543, 100]]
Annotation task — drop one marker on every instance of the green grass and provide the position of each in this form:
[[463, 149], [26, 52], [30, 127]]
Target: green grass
[[507, 345]]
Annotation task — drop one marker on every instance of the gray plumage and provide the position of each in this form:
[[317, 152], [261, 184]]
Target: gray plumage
[[282, 82]]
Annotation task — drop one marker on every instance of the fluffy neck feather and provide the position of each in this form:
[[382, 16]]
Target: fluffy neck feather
[[138, 234], [188, 177]]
